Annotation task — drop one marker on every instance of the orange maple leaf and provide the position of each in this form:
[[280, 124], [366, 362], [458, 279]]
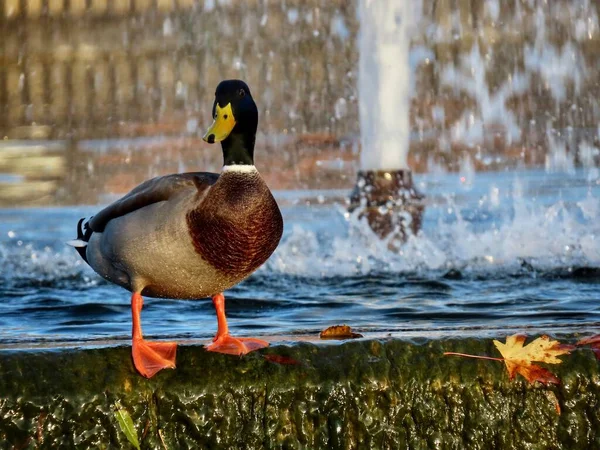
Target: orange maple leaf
[[594, 343], [519, 358]]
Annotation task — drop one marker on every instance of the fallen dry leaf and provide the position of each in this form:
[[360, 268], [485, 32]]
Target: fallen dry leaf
[[554, 399], [519, 358], [280, 359], [594, 343], [339, 332], [162, 439]]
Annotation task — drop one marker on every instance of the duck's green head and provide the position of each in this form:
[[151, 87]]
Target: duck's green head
[[235, 121]]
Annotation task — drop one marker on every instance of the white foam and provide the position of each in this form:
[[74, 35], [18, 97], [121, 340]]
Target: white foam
[[45, 264], [549, 236]]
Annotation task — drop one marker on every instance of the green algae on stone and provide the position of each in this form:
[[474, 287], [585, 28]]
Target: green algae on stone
[[359, 394]]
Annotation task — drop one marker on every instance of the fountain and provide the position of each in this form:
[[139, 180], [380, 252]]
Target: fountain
[[384, 191]]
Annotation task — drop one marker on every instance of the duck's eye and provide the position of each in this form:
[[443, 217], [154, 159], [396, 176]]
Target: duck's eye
[[241, 92], [225, 116]]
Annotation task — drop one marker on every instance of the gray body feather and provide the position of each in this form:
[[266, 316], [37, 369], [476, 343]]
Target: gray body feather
[[142, 243]]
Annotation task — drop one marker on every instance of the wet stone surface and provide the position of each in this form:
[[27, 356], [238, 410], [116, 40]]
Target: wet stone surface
[[360, 394]]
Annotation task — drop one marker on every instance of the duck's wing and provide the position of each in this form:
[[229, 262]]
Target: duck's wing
[[152, 191]]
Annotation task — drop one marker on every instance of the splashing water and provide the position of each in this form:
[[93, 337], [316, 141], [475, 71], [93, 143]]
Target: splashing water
[[499, 251], [513, 220], [478, 222], [384, 81]]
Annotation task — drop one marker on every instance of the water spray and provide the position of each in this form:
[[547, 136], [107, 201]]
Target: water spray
[[384, 189]]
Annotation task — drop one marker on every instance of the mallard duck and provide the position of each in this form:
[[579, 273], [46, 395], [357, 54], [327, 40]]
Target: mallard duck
[[190, 235]]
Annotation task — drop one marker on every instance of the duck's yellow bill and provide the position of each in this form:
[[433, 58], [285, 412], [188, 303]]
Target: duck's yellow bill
[[221, 126]]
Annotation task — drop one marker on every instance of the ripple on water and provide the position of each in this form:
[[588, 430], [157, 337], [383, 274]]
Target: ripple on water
[[526, 260]]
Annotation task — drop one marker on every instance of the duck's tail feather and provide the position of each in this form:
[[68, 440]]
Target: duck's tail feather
[[77, 243], [84, 232]]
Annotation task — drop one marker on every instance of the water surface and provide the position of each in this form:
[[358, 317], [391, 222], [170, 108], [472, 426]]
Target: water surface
[[498, 253]]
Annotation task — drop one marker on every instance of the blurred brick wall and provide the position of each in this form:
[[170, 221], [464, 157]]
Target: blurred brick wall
[[78, 70]]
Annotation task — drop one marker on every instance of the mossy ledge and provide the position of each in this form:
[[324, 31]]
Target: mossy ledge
[[358, 394]]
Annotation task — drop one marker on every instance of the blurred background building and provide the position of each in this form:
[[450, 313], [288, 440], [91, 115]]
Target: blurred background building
[[98, 95]]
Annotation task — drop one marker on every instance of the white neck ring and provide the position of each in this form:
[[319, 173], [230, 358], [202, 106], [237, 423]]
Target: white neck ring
[[241, 168]]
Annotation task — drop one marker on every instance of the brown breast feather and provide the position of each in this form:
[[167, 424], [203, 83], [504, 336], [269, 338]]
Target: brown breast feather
[[237, 226]]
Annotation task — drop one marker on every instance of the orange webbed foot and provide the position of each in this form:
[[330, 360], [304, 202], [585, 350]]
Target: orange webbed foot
[[151, 357], [148, 357], [235, 346], [223, 341]]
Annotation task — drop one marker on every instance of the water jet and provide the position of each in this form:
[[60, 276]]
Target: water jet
[[384, 192]]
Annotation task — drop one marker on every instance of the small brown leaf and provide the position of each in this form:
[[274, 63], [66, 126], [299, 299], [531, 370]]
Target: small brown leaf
[[162, 439], [594, 343], [339, 332], [592, 340], [280, 359], [40, 427], [552, 397]]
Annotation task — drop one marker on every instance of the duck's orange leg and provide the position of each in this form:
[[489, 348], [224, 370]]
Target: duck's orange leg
[[148, 357], [223, 341]]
